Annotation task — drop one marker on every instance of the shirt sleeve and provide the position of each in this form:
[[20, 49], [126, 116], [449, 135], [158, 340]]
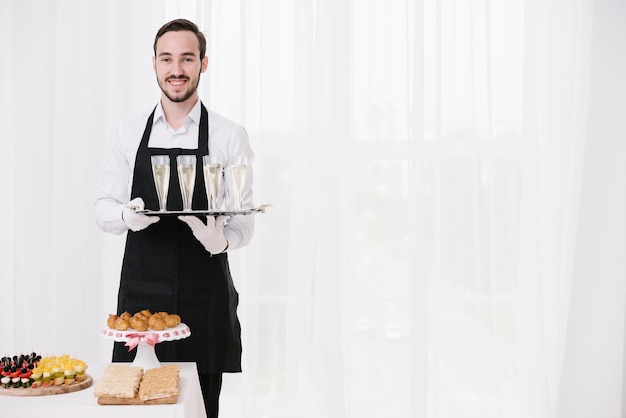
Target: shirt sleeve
[[112, 189], [239, 229]]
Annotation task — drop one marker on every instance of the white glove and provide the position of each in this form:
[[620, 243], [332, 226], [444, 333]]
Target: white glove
[[211, 235], [137, 221]]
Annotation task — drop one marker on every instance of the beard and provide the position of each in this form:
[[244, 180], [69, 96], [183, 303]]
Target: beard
[[183, 95]]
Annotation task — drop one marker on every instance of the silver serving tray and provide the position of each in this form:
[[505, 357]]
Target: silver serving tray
[[148, 212]]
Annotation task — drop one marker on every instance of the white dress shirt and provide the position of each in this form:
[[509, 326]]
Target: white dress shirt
[[227, 141]]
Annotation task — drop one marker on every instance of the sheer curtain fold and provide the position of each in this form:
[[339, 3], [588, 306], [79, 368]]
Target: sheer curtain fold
[[7, 185], [59, 112], [594, 339], [571, 276], [557, 68]]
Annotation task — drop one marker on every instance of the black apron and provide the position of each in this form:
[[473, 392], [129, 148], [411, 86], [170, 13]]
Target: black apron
[[166, 268]]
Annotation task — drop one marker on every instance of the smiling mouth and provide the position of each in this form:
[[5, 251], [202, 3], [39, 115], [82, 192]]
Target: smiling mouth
[[177, 82]]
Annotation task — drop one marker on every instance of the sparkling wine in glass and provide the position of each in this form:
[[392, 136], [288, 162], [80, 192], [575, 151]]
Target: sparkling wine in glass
[[161, 174], [212, 179], [238, 173], [186, 165]]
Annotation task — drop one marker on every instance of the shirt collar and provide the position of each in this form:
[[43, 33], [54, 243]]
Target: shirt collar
[[193, 116]]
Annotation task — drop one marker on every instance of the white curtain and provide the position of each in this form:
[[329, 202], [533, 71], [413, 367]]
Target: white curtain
[[448, 216]]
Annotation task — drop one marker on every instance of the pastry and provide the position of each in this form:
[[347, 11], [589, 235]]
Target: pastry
[[157, 324], [139, 323], [172, 320], [143, 321], [121, 324], [111, 320]]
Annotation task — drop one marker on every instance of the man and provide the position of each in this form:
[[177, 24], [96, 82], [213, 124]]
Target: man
[[178, 264]]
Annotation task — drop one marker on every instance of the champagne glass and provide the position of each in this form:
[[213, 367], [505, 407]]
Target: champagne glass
[[238, 173], [186, 165], [212, 179], [161, 174]]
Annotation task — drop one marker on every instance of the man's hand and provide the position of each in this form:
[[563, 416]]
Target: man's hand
[[211, 235], [137, 221]]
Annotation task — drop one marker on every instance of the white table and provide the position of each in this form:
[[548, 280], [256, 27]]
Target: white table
[[84, 404]]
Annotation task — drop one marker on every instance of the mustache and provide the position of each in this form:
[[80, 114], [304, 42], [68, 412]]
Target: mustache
[[177, 77]]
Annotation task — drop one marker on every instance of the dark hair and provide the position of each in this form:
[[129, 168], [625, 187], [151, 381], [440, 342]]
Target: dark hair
[[177, 25]]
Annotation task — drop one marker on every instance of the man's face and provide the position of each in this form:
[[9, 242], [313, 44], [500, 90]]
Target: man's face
[[178, 66]]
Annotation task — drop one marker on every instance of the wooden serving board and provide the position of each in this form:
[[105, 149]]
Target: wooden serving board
[[50, 390], [137, 401]]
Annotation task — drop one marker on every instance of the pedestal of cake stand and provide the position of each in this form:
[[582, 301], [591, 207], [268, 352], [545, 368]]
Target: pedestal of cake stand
[[146, 356]]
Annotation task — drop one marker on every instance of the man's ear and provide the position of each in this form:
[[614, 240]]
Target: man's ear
[[154, 64], [205, 64]]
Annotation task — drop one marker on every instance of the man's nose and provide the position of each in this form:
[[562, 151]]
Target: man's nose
[[177, 69]]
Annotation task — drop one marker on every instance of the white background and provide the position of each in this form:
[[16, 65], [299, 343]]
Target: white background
[[448, 231]]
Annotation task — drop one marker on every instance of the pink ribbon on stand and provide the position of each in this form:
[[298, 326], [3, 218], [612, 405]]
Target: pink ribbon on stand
[[150, 338]]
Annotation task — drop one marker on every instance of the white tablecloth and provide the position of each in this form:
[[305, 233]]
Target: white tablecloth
[[83, 404]]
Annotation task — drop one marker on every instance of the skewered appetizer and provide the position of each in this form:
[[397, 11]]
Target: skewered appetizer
[[16, 371], [56, 371], [32, 370]]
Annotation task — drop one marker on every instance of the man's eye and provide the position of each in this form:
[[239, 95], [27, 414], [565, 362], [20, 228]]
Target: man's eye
[[165, 60], [188, 59]]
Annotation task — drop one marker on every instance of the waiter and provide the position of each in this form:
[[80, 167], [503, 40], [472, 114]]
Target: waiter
[[178, 264]]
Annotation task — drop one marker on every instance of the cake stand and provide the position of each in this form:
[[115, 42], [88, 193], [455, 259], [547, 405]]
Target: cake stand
[[145, 341]]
